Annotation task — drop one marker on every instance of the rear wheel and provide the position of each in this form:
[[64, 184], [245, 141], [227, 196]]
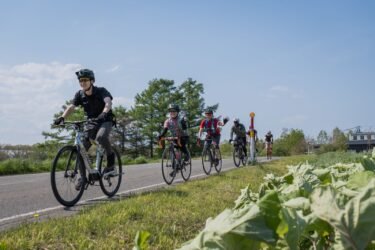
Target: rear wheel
[[67, 176], [110, 182], [207, 160], [168, 166]]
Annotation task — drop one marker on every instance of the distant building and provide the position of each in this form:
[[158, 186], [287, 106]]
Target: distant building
[[361, 141]]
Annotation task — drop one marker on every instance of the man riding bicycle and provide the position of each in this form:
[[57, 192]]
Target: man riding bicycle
[[97, 104], [240, 131], [178, 128], [211, 126], [268, 138]]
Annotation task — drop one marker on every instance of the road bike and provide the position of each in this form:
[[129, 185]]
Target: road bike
[[173, 160], [72, 170], [269, 150], [238, 153], [211, 156]]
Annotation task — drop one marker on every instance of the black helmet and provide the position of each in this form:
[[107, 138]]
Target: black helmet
[[236, 120], [173, 107], [85, 73], [208, 111]]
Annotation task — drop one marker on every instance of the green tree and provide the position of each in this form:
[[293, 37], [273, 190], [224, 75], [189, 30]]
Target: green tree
[[291, 142], [339, 140], [151, 106], [192, 103], [60, 135], [123, 120], [323, 137]]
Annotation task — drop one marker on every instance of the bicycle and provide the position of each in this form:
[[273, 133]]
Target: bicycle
[[172, 161], [238, 153], [269, 150], [211, 156], [68, 173]]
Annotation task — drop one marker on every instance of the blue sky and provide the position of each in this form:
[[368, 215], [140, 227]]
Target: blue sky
[[297, 64]]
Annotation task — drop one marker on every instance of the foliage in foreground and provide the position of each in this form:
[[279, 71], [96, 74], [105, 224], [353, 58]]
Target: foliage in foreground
[[307, 208]]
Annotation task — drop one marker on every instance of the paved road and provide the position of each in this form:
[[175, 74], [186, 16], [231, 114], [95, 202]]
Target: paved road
[[29, 197]]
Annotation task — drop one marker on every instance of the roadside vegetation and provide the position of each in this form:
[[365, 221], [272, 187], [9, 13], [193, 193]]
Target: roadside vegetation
[[171, 215], [164, 219]]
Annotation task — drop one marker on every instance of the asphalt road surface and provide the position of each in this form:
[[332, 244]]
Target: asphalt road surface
[[25, 198]]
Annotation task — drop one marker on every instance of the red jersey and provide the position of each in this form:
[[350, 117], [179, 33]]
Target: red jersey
[[210, 126]]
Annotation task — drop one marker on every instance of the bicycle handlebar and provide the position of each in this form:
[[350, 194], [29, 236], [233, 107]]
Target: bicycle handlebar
[[170, 139]]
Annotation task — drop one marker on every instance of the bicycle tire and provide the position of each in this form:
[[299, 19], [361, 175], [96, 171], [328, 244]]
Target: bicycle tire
[[186, 169], [106, 182], [236, 156], [69, 176], [219, 164], [206, 160], [168, 165]]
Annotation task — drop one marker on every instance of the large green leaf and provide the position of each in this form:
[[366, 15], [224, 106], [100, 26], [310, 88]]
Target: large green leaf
[[295, 224], [270, 206], [359, 180], [243, 228], [355, 222]]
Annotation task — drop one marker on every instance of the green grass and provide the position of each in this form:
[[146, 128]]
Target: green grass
[[172, 215]]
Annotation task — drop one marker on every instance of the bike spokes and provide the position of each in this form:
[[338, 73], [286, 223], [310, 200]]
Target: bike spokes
[[66, 176]]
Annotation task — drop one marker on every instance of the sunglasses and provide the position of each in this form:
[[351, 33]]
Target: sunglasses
[[84, 80]]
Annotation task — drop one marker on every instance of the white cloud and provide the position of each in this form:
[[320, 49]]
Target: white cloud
[[29, 96], [282, 91], [114, 68]]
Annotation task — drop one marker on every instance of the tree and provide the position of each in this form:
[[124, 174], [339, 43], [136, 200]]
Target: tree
[[291, 142], [123, 120], [58, 134], [323, 137], [192, 103], [339, 139], [151, 108]]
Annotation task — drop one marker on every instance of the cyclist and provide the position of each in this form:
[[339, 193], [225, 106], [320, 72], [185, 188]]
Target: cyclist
[[178, 128], [97, 104], [240, 131], [269, 140], [211, 126]]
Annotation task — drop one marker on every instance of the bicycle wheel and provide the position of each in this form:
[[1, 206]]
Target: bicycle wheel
[[218, 160], [186, 169], [168, 165], [207, 160], [110, 183], [67, 176], [236, 156]]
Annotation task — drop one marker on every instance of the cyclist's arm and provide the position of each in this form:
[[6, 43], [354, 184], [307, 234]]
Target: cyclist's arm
[[164, 132], [68, 111], [108, 104]]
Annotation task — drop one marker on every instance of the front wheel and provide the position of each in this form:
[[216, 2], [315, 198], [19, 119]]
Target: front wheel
[[168, 166], [237, 156], [218, 160], [67, 176], [110, 182], [207, 160], [186, 169]]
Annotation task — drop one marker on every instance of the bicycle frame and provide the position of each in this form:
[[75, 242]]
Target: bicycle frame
[[82, 150]]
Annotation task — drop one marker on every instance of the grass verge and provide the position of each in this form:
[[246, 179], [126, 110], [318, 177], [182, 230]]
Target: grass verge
[[171, 215]]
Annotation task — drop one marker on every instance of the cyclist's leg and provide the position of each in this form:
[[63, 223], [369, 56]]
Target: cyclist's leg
[[244, 146], [184, 141], [103, 138]]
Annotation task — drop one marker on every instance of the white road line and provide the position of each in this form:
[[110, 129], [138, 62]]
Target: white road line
[[14, 217]]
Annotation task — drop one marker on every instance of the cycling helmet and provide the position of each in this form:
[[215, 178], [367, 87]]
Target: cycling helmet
[[236, 120], [208, 111], [173, 107], [85, 73]]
